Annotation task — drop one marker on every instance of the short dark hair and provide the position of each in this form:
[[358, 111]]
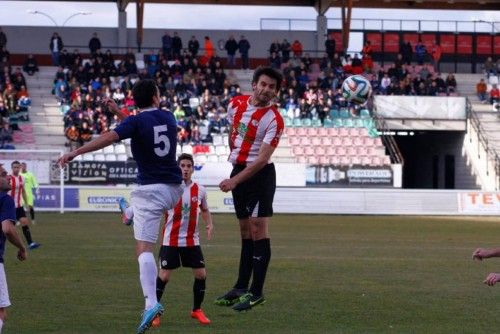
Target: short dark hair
[[270, 72], [185, 156], [143, 92], [15, 162]]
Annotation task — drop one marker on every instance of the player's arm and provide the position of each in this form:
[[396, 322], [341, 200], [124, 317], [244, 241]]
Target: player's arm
[[103, 140], [230, 139], [10, 232], [113, 108], [483, 253], [265, 153], [207, 218]]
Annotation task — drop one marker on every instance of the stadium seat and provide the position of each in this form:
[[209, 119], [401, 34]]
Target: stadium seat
[[312, 160], [319, 151], [363, 132], [225, 140], [364, 113], [337, 123], [290, 131], [368, 141], [333, 132], [212, 158], [87, 157], [315, 141], [187, 148], [309, 151], [120, 149], [121, 157], [294, 141], [337, 141], [341, 151], [334, 113], [357, 141], [348, 122], [361, 151], [347, 141], [223, 158], [330, 151], [366, 161], [297, 122], [317, 123], [378, 141], [322, 132], [99, 157], [312, 132], [355, 160], [78, 158], [335, 161], [110, 157], [200, 159], [328, 123], [302, 159], [354, 132], [108, 150], [386, 160], [220, 150], [306, 122], [326, 141], [345, 161], [217, 140], [352, 151], [301, 132], [99, 151], [305, 141], [376, 161], [324, 160], [344, 113], [343, 132], [298, 150], [288, 122]]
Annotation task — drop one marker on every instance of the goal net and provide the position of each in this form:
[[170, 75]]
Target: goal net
[[50, 195]]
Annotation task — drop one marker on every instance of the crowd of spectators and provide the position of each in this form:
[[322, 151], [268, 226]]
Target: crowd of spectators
[[487, 88], [196, 93], [312, 90], [14, 97]]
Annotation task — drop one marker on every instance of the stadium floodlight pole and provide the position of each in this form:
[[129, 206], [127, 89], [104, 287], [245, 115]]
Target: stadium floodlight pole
[[73, 15], [34, 12]]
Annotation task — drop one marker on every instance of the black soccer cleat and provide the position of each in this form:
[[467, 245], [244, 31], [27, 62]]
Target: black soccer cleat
[[231, 297]]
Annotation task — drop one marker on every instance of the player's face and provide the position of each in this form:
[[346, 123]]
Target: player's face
[[23, 166], [4, 181], [15, 169], [264, 90], [186, 169]]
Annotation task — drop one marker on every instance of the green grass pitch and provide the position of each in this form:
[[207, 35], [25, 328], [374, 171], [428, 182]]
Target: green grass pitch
[[328, 274]]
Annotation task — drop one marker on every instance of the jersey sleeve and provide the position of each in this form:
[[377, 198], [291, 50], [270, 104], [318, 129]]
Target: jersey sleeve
[[203, 198], [127, 128], [230, 112], [274, 131], [8, 209]]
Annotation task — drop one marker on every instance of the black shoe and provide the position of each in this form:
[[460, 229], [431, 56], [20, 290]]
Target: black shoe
[[231, 297], [247, 301]]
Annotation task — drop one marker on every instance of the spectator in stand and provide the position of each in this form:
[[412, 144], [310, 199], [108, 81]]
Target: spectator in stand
[[94, 44], [297, 49], [55, 46], [451, 84], [494, 94], [366, 57], [436, 55], [406, 51], [244, 48], [209, 49], [5, 134], [330, 46], [193, 46], [151, 61], [166, 44], [231, 47], [357, 65], [30, 65], [420, 52], [274, 47], [285, 48], [3, 39], [176, 46], [275, 61], [481, 90], [384, 84], [73, 136], [489, 67], [85, 134], [131, 67]]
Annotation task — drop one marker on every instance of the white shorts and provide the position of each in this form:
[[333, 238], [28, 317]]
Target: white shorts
[[149, 203], [4, 291]]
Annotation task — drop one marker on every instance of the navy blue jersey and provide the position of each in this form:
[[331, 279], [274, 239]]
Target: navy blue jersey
[[154, 142], [7, 212]]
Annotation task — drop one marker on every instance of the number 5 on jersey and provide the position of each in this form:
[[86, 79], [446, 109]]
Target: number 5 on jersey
[[161, 137]]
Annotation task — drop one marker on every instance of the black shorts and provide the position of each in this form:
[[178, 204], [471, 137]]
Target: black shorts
[[20, 213], [173, 257], [254, 197]]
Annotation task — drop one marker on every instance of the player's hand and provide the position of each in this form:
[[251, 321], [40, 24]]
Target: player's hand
[[227, 185], [491, 279], [210, 229], [480, 254], [111, 105], [62, 161], [21, 254]]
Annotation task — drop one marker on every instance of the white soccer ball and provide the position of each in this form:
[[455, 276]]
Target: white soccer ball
[[357, 89]]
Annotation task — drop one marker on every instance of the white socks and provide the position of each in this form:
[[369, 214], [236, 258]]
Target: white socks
[[147, 274]]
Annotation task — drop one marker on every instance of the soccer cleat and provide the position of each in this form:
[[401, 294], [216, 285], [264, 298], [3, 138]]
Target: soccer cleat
[[34, 245], [148, 316], [156, 322], [248, 301], [200, 316], [123, 204], [230, 298]]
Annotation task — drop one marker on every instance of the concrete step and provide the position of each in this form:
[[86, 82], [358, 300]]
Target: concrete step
[[46, 119], [479, 107], [56, 141], [48, 131]]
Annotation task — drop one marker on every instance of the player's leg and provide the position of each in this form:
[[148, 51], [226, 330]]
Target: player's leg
[[169, 261], [265, 182], [192, 257], [21, 217], [127, 211], [4, 296], [30, 204]]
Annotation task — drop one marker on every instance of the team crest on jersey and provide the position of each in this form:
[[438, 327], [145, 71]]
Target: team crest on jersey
[[194, 199], [242, 129], [186, 209]]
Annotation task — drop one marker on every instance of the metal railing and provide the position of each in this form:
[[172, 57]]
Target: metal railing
[[491, 153], [387, 138], [477, 26]]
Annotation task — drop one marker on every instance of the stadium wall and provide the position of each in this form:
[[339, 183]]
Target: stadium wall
[[302, 200], [23, 40]]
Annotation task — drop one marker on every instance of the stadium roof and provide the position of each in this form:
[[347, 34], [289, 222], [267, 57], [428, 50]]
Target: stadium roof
[[399, 4]]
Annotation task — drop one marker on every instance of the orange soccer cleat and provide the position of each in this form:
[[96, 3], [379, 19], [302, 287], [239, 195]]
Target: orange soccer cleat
[[202, 318], [156, 322]]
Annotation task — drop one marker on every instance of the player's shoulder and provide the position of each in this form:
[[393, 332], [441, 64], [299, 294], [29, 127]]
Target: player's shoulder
[[276, 114], [238, 100], [6, 199]]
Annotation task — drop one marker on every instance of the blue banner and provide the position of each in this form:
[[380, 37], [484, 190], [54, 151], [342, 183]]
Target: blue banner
[[51, 198]]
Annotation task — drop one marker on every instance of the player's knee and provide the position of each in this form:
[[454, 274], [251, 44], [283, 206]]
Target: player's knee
[[200, 274], [164, 276], [3, 314]]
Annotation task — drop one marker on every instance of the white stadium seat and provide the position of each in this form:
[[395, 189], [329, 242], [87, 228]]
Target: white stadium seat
[[121, 157], [108, 150], [120, 149], [88, 157], [212, 158], [99, 157], [110, 157]]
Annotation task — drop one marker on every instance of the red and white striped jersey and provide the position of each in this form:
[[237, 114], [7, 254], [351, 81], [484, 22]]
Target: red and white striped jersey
[[181, 222], [17, 185], [252, 126]]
